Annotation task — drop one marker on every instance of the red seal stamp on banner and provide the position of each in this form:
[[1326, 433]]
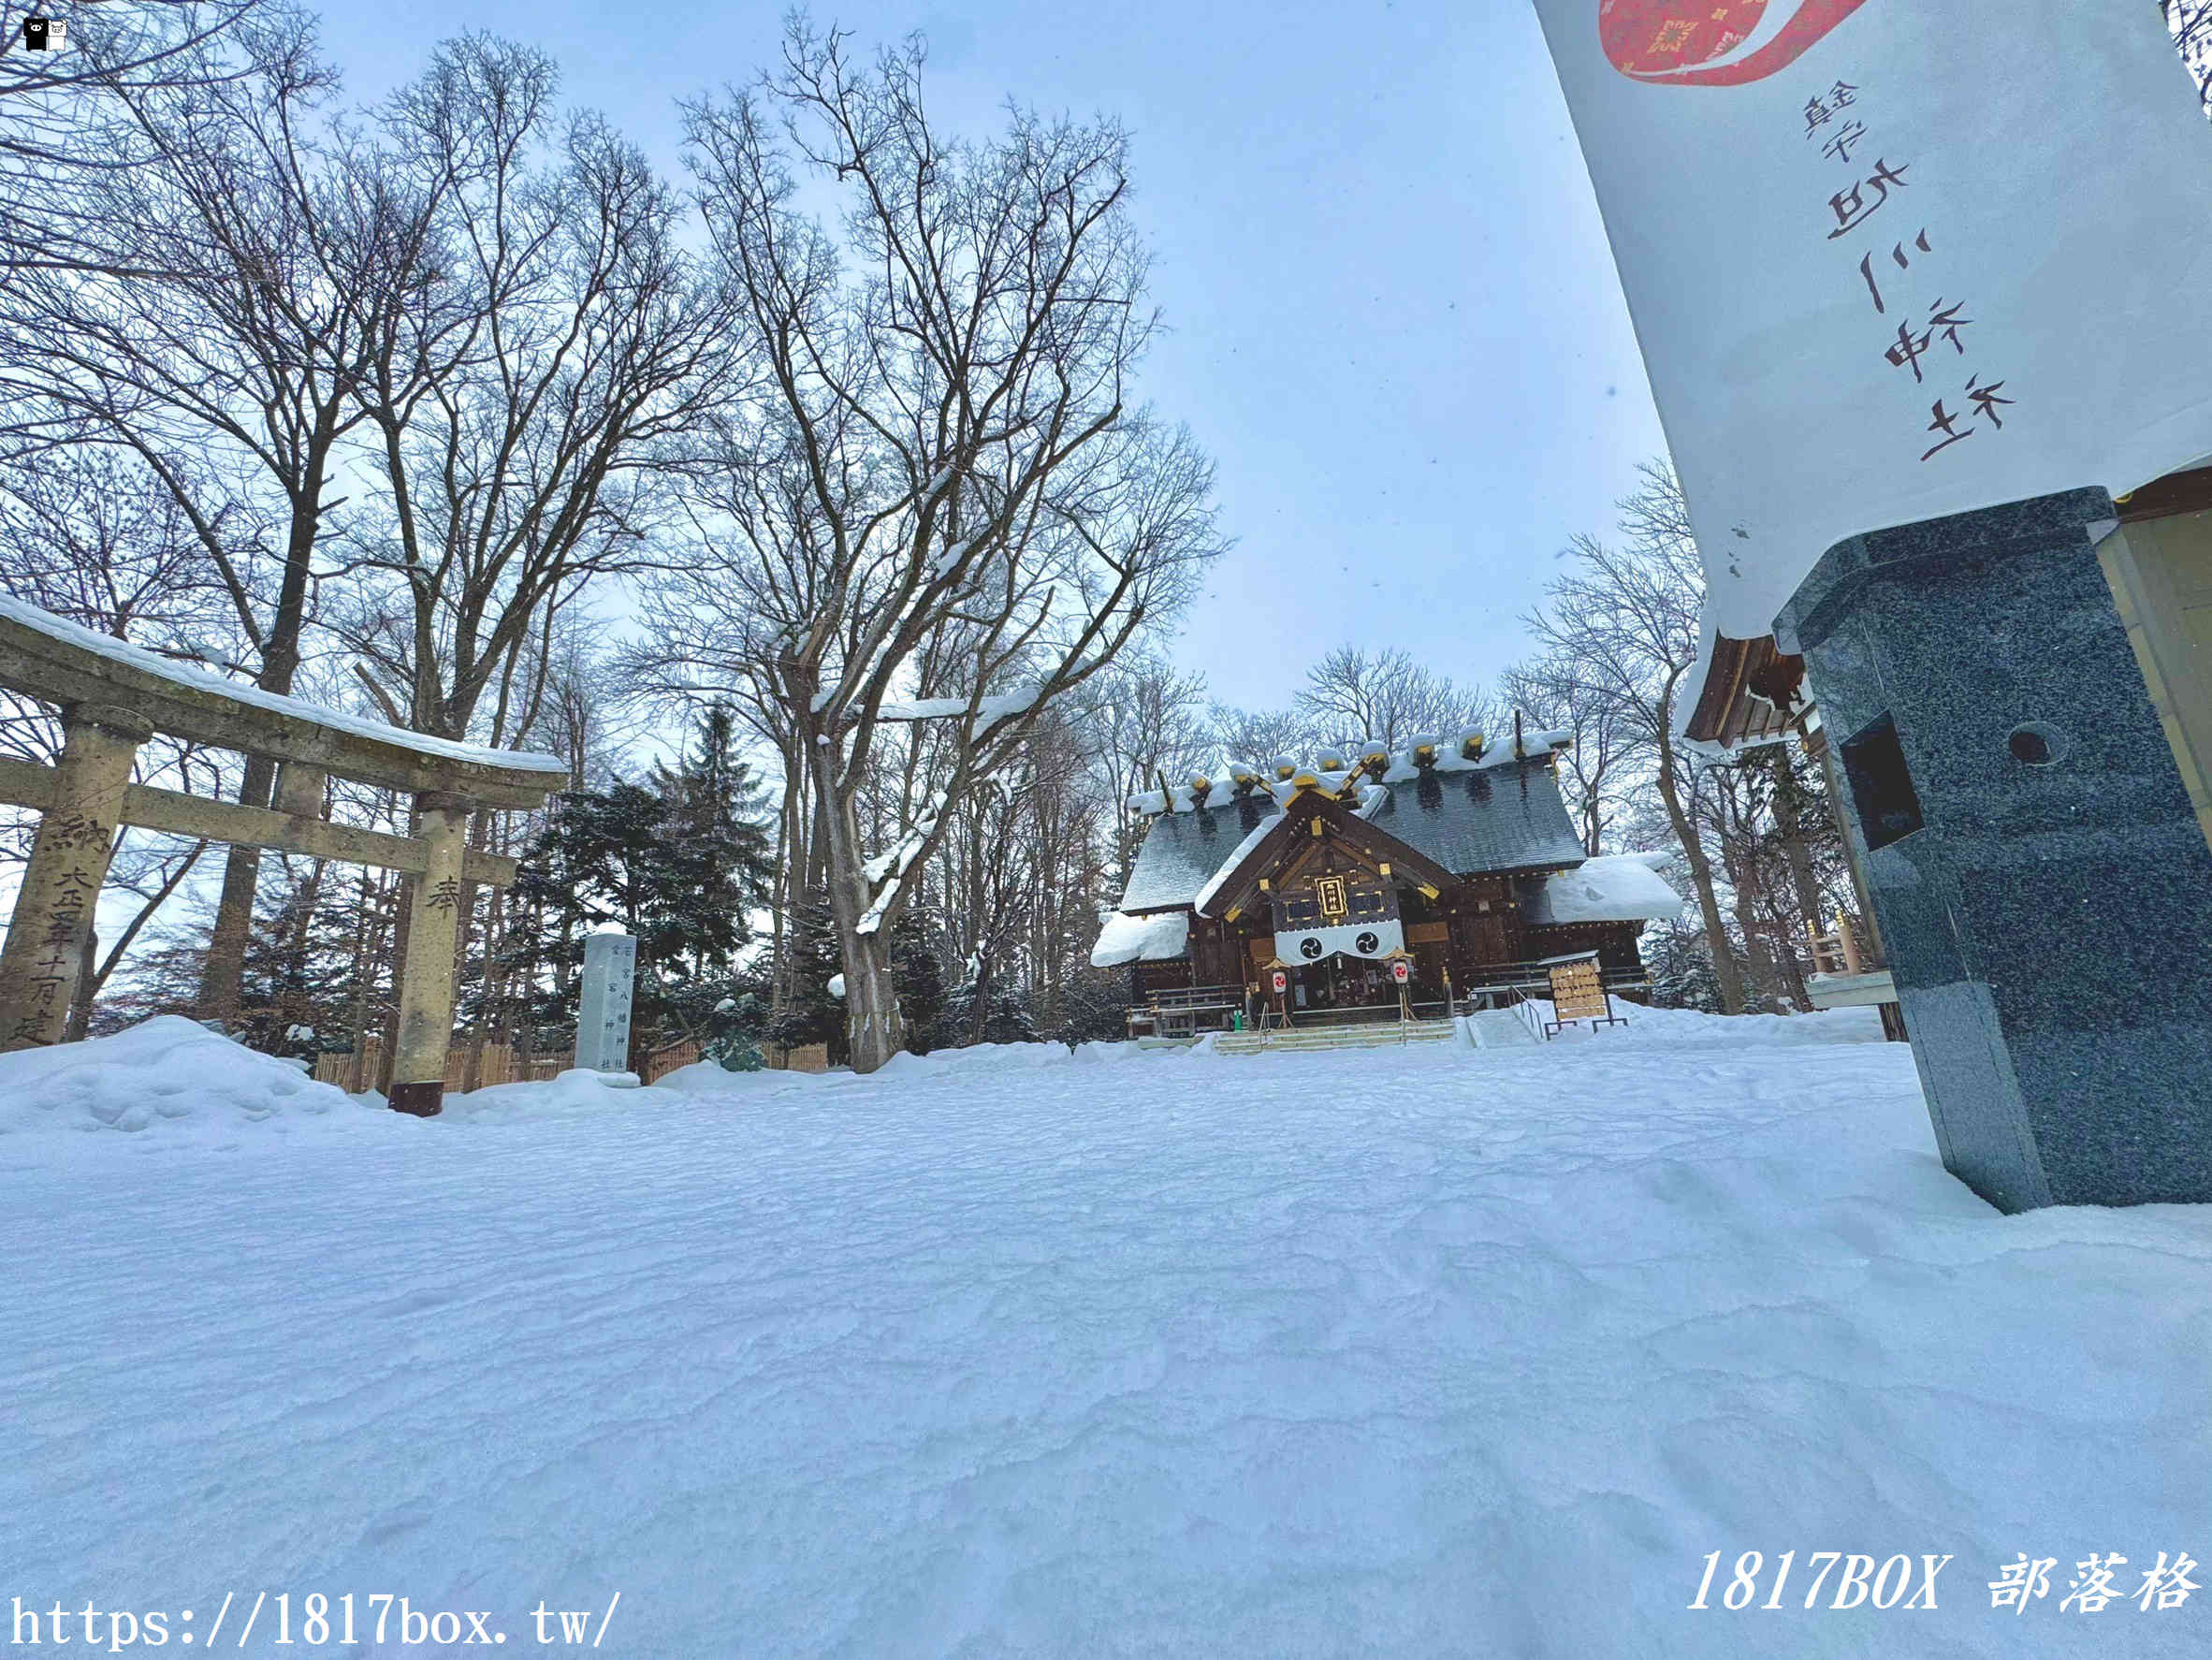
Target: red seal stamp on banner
[[1716, 43]]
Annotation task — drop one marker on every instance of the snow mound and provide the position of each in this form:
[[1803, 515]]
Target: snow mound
[[168, 1073], [1671, 1026], [998, 1059], [580, 1092], [705, 1079]]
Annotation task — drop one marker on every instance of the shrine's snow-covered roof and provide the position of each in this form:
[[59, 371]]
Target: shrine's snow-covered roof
[[1159, 937], [1470, 818], [1616, 888], [1257, 835], [1334, 766], [1483, 819], [1182, 849]]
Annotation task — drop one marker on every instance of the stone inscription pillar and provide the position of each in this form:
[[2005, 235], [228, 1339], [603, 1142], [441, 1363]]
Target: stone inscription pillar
[[425, 978], [54, 908]]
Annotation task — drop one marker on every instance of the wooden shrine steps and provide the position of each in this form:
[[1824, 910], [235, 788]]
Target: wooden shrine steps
[[1380, 1035]]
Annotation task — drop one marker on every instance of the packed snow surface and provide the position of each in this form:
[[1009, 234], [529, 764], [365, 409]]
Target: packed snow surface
[[1007, 1351]]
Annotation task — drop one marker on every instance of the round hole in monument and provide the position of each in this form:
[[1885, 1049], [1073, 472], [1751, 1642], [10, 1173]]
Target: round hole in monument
[[2035, 744]]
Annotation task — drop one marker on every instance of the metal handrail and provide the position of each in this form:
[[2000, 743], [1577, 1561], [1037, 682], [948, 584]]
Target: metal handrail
[[1521, 985]]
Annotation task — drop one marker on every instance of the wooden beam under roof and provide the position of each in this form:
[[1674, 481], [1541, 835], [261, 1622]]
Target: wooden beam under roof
[[1745, 691]]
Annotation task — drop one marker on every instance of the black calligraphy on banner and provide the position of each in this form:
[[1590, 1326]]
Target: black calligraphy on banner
[[1925, 339]]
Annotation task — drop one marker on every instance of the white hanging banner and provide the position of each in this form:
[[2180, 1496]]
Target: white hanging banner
[[1352, 939], [1893, 259]]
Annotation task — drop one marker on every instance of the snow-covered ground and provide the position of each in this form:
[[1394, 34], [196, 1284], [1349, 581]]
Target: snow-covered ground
[[1424, 1352]]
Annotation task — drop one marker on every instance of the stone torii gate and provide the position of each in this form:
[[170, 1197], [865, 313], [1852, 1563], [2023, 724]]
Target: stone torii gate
[[114, 696]]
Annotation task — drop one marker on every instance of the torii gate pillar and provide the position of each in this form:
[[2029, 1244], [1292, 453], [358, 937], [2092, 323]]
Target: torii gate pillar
[[54, 907]]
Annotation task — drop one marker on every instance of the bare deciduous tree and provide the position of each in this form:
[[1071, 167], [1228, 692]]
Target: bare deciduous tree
[[1145, 719], [945, 498], [48, 101], [1354, 694], [1555, 696], [2190, 23], [88, 535], [216, 319], [1255, 736], [1624, 626], [525, 395]]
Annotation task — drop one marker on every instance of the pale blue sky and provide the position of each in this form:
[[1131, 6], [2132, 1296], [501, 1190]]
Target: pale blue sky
[[1395, 321]]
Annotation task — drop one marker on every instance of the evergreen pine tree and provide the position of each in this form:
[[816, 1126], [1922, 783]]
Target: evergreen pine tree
[[679, 866], [1096, 1002], [1680, 961], [918, 977], [1006, 1016], [721, 871], [810, 1014]]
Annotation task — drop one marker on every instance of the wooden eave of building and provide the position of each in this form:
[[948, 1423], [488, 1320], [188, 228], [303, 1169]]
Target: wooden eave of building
[[2162, 498], [1754, 692], [1279, 847]]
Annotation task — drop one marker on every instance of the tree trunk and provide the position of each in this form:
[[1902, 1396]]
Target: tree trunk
[[979, 1011], [1792, 970], [1724, 971], [298, 949], [788, 856], [222, 976], [1744, 877], [874, 1031], [1796, 845]]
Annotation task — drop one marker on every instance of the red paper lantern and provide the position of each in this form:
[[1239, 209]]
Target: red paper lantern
[[1401, 973], [1282, 983]]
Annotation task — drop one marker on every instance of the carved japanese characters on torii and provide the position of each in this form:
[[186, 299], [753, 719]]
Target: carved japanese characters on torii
[[114, 696]]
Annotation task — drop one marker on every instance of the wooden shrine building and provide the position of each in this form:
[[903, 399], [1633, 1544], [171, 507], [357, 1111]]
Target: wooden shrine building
[[1454, 857]]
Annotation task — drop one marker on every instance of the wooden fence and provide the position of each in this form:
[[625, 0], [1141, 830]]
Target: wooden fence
[[803, 1057], [478, 1065]]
